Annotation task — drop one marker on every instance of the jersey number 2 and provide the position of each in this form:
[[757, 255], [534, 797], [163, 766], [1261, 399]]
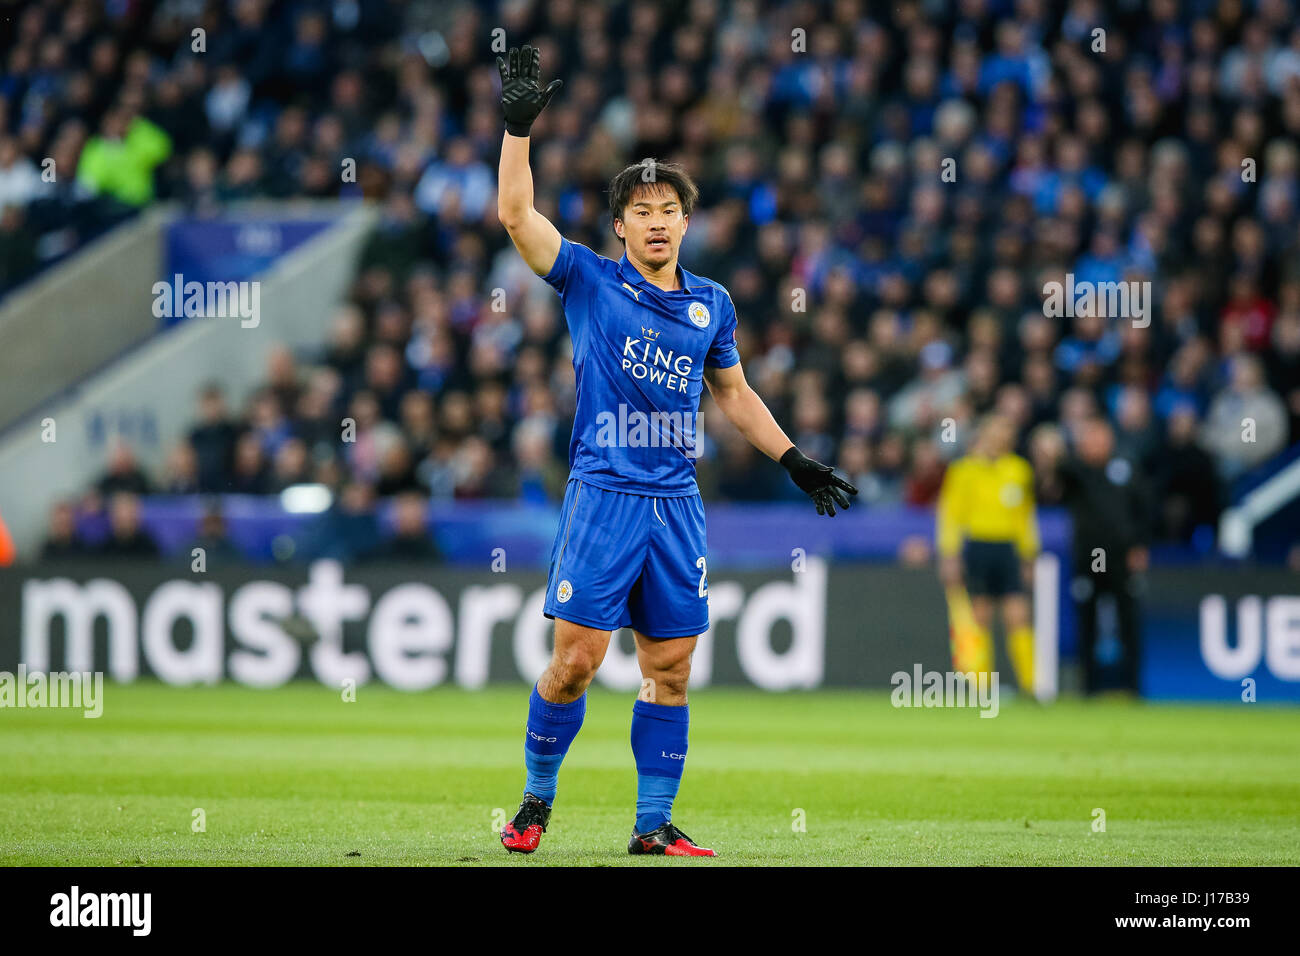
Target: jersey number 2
[[704, 577]]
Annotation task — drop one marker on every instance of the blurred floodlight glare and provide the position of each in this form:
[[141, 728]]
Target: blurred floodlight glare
[[306, 499]]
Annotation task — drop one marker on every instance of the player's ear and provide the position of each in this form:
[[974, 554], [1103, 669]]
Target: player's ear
[[618, 228]]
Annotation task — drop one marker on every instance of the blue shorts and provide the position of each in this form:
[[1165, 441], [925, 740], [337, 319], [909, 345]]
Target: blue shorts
[[623, 560]]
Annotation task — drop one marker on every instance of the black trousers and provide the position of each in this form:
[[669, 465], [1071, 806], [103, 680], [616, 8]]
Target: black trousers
[[1090, 589]]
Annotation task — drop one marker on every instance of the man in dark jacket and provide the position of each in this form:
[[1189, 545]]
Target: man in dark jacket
[[412, 540], [128, 537], [1110, 508]]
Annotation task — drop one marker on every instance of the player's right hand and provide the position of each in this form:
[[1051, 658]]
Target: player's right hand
[[522, 97]]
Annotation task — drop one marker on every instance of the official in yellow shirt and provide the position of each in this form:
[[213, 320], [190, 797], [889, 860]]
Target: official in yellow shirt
[[987, 531]]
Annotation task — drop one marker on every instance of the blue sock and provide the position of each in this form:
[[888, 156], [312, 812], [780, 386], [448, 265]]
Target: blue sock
[[550, 730], [659, 746]]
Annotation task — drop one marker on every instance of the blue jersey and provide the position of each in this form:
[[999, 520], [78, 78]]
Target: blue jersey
[[639, 354]]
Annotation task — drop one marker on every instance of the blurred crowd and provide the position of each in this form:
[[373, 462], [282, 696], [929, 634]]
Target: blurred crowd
[[885, 191]]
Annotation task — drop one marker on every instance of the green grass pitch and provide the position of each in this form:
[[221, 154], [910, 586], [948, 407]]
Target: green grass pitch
[[297, 776]]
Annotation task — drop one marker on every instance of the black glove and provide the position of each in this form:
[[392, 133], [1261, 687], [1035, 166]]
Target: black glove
[[822, 485], [522, 98]]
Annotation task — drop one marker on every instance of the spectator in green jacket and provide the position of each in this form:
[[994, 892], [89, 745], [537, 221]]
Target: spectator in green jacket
[[120, 161]]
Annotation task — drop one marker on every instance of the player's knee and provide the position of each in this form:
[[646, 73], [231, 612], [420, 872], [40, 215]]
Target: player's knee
[[1016, 610], [672, 679], [573, 669], [673, 684]]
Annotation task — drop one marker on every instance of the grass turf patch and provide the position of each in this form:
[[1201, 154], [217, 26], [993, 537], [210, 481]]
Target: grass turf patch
[[297, 776]]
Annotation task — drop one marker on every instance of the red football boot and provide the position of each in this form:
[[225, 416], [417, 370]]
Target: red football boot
[[666, 840], [524, 832]]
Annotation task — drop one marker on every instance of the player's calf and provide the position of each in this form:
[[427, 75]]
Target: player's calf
[[549, 731]]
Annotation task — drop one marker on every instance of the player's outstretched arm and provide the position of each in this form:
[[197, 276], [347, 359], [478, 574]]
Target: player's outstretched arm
[[750, 414], [522, 99]]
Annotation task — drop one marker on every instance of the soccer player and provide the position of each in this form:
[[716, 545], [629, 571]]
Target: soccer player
[[648, 337], [987, 533]]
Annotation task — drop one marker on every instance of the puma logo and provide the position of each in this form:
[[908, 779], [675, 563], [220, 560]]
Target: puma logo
[[635, 294]]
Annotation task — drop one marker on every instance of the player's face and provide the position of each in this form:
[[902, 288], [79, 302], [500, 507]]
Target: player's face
[[999, 437], [653, 226]]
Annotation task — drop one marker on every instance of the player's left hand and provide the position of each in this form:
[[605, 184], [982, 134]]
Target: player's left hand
[[818, 481]]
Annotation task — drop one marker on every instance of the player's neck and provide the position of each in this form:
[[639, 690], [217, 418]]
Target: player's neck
[[664, 277]]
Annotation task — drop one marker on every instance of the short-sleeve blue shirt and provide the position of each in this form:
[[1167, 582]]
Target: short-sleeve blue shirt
[[639, 355]]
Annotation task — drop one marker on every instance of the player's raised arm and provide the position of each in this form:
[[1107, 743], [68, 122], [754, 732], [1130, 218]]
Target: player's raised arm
[[522, 99]]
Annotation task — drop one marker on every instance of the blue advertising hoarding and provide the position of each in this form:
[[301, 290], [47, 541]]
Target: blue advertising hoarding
[[1228, 633], [234, 250]]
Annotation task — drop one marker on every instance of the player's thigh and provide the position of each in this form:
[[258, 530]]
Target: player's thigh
[[672, 598]]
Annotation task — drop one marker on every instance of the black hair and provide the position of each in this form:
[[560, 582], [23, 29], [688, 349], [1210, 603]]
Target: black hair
[[651, 174]]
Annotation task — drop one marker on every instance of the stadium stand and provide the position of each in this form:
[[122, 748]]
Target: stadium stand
[[877, 297]]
